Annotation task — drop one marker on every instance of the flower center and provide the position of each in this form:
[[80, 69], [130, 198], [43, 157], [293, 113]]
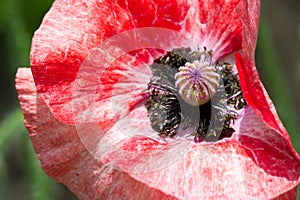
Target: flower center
[[190, 92], [197, 82]]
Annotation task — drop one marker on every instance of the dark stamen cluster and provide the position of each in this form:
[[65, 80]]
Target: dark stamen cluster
[[164, 111], [232, 87], [168, 112]]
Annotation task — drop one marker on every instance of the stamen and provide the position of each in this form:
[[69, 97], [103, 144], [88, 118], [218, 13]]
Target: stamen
[[188, 90]]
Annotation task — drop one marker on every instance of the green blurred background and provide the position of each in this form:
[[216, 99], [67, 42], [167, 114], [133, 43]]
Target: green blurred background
[[278, 62]]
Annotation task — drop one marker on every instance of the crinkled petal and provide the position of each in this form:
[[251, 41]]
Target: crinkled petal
[[68, 32], [213, 23], [252, 88], [292, 194], [262, 157], [254, 169], [259, 164], [72, 30], [64, 157]]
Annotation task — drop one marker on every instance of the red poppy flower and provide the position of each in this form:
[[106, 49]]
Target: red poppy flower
[[84, 103]]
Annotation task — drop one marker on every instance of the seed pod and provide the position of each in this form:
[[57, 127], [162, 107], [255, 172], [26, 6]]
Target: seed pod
[[197, 82]]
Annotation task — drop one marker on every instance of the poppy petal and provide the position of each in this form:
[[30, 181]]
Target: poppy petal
[[68, 32], [249, 78], [64, 158], [71, 30], [262, 164], [251, 173]]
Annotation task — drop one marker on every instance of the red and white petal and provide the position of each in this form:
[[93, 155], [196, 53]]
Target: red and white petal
[[292, 194], [56, 81], [252, 88], [244, 167], [256, 163], [211, 23], [67, 34], [72, 30], [64, 157]]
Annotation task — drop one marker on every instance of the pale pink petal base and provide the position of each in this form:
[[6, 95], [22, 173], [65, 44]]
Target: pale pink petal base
[[255, 169]]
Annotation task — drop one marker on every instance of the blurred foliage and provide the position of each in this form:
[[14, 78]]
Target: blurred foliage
[[3, 14], [19, 167]]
